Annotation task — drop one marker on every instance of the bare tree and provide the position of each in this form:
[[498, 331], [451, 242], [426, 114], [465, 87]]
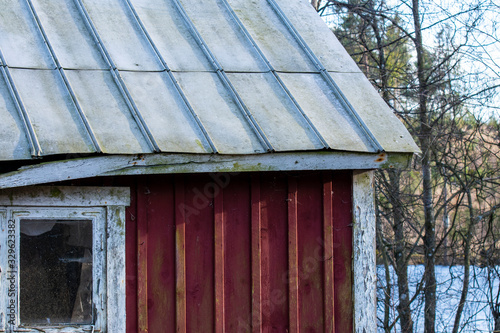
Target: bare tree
[[415, 53]]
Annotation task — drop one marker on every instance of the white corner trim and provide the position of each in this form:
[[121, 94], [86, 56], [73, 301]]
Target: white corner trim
[[364, 264], [116, 274], [74, 196]]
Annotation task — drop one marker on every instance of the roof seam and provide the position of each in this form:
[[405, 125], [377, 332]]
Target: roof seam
[[118, 80], [36, 150], [326, 76], [225, 80], [275, 75], [177, 71], [166, 68], [60, 70]]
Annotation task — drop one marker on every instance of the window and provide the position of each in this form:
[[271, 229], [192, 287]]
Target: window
[[62, 259]]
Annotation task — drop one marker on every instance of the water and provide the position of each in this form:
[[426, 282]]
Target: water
[[476, 316]]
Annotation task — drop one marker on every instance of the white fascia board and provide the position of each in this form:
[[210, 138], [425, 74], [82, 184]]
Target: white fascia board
[[57, 196], [115, 165]]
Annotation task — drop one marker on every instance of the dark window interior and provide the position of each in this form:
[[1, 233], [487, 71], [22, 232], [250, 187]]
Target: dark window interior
[[55, 272]]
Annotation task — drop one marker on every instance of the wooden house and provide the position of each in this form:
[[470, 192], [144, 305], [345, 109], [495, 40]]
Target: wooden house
[[177, 166]]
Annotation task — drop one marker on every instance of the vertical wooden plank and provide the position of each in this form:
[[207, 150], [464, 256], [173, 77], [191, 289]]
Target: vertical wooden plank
[[161, 255], [180, 254], [309, 209], [293, 256], [200, 273], [328, 255], [257, 252], [274, 257], [219, 261], [237, 257], [142, 257], [343, 245], [131, 260]]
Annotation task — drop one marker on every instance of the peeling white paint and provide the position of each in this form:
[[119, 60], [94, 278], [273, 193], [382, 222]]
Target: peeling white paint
[[364, 265], [115, 269], [61, 195]]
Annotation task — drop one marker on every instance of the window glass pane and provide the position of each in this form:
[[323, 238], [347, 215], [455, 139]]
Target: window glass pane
[[55, 272]]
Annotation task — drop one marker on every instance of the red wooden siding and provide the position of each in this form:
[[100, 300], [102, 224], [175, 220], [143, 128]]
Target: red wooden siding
[[266, 252]]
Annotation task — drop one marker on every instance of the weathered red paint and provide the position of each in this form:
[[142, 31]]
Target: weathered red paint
[[131, 264], [237, 255], [328, 255], [257, 253], [160, 261], [142, 260], [342, 250], [268, 252], [180, 257], [220, 252], [310, 256], [293, 262], [199, 253], [274, 198]]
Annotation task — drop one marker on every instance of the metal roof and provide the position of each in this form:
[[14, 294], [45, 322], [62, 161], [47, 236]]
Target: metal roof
[[175, 76]]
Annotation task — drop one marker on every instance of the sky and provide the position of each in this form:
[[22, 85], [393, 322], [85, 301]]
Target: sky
[[480, 59]]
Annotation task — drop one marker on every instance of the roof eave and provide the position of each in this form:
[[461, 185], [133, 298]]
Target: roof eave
[[119, 165]]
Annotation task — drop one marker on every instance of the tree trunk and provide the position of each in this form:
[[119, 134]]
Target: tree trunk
[[383, 250], [425, 145], [496, 317], [429, 250], [400, 253], [465, 284]]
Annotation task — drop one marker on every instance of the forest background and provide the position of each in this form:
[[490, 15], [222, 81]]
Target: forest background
[[437, 65]]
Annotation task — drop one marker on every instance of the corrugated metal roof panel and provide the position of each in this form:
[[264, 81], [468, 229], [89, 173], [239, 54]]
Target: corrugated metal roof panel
[[385, 126], [218, 76], [324, 44], [166, 114], [325, 112], [20, 42], [120, 34], [227, 126], [51, 111], [108, 113], [274, 112], [13, 142], [67, 34], [170, 35], [218, 30], [271, 36]]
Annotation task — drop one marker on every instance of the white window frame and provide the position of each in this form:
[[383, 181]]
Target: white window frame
[[105, 208]]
